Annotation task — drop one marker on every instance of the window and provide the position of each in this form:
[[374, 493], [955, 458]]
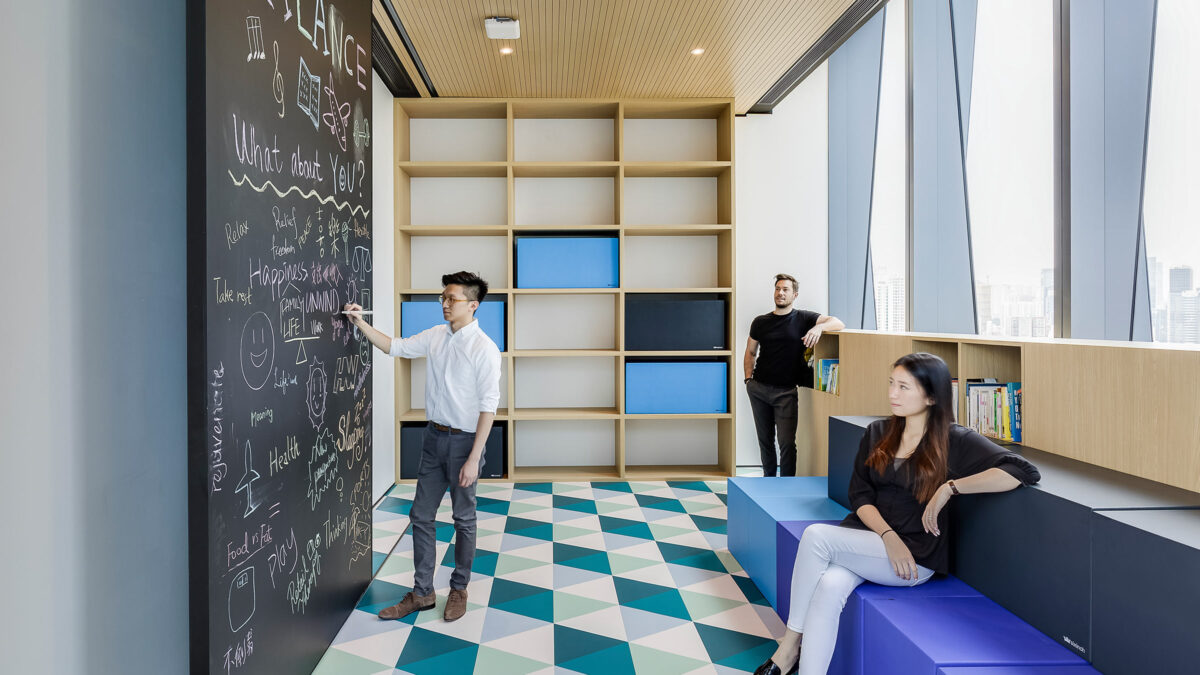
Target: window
[[1171, 201], [889, 188], [1009, 165]]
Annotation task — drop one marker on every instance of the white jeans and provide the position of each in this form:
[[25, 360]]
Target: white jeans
[[832, 561]]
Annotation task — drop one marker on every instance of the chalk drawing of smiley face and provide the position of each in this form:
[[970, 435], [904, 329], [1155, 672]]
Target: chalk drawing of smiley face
[[257, 350]]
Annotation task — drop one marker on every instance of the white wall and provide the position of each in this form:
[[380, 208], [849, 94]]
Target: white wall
[[383, 224], [93, 438], [782, 214]]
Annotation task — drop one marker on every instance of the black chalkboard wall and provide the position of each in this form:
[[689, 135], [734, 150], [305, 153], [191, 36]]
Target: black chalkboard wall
[[279, 196]]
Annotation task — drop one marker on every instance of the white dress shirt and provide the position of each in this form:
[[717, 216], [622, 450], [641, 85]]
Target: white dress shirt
[[462, 372]]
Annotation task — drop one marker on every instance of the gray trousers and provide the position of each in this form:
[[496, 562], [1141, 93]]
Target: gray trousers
[[774, 408], [442, 456]]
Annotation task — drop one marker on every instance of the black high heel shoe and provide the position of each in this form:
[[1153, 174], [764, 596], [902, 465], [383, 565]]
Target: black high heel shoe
[[770, 668]]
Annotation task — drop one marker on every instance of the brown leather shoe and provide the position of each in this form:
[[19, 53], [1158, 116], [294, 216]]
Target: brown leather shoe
[[456, 604], [411, 603]]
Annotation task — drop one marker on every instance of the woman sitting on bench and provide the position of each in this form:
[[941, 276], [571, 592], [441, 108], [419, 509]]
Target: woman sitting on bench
[[907, 469]]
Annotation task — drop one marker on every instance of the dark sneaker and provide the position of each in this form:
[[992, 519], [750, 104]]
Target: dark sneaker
[[456, 604], [411, 603]]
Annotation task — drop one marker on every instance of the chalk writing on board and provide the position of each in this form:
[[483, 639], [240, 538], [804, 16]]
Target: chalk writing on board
[[317, 388], [217, 467], [281, 460], [237, 655], [241, 599], [277, 79], [311, 194], [362, 133], [300, 587], [247, 481], [254, 36], [323, 469], [308, 93], [282, 555], [338, 116], [257, 350]]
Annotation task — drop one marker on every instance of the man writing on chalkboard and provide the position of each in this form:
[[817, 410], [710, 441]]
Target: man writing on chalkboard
[[462, 390]]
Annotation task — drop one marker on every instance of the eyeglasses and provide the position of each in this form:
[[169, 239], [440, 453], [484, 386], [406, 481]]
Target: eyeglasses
[[445, 299]]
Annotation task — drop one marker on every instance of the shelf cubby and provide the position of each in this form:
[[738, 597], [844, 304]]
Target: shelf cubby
[[578, 200], [690, 442], [433, 256], [669, 200], [565, 322], [458, 201], [565, 443], [565, 382], [671, 261]]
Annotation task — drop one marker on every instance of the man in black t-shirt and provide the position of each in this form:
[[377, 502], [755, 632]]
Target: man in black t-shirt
[[782, 340]]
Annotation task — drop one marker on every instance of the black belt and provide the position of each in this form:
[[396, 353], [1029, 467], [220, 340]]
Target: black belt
[[443, 427]]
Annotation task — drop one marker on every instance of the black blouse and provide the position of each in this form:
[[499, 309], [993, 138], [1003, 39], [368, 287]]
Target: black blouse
[[892, 492]]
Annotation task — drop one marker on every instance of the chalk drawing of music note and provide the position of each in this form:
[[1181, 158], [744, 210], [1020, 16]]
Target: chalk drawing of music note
[[277, 79], [247, 481], [255, 37], [241, 599], [308, 93]]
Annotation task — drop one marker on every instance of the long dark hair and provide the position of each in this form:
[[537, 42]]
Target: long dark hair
[[928, 462]]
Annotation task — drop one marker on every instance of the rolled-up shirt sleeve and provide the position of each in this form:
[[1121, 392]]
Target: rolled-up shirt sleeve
[[972, 453], [862, 488], [487, 379], [413, 347]]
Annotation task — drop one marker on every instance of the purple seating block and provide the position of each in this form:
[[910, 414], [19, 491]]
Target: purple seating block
[[847, 655], [918, 635]]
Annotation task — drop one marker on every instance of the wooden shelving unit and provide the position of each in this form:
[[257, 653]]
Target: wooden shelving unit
[[1125, 406], [554, 161]]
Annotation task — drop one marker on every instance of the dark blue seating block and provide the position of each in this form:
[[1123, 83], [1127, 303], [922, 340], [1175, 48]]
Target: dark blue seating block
[[917, 635], [1146, 591], [1030, 549], [1078, 669], [845, 434], [756, 505]]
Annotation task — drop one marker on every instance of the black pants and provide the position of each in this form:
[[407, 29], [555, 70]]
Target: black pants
[[774, 413]]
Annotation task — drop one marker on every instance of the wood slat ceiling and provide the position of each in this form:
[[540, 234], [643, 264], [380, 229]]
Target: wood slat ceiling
[[615, 48]]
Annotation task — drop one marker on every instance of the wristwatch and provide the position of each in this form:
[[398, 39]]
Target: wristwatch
[[747, 380]]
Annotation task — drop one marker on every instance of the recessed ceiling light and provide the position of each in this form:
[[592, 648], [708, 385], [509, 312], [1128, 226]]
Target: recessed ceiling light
[[697, 51], [506, 50]]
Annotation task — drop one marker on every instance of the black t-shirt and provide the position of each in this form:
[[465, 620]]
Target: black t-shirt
[[892, 492], [781, 351]]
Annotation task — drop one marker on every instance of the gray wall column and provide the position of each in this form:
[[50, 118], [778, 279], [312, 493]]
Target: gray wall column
[[853, 120], [942, 51], [1111, 61]]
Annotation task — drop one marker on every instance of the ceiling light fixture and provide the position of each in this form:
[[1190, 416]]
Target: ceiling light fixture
[[502, 28], [697, 51], [506, 50]]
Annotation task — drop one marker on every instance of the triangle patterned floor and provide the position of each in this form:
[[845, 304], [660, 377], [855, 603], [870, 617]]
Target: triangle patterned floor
[[588, 578]]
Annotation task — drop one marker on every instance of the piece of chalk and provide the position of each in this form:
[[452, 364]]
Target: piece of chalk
[[363, 311]]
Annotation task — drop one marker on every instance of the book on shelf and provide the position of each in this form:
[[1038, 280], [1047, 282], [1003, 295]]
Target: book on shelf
[[994, 408], [954, 397], [825, 375]]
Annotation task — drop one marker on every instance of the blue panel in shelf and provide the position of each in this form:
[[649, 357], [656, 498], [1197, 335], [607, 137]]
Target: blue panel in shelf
[[567, 262], [418, 315], [676, 387]]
